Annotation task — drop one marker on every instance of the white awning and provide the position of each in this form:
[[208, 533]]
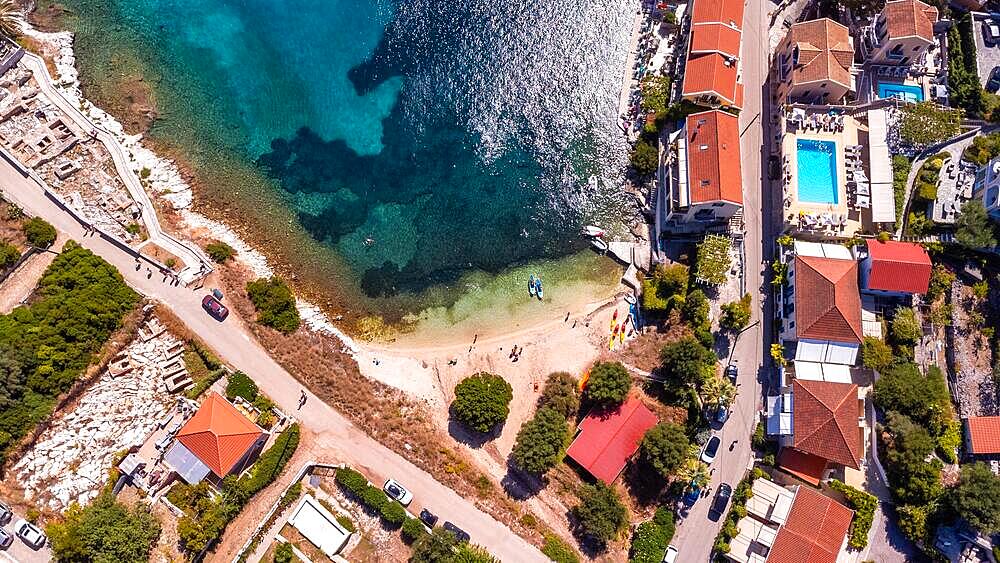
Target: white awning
[[815, 371], [186, 464], [822, 250], [883, 201], [826, 352], [779, 415]]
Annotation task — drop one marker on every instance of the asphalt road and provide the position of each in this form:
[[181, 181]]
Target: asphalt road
[[19, 551], [234, 345], [696, 533]]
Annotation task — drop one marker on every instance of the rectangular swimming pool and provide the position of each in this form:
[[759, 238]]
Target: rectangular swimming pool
[[906, 92], [817, 171]]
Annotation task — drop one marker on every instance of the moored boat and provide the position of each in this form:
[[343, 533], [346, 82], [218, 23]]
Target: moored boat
[[592, 231], [538, 287], [531, 285]]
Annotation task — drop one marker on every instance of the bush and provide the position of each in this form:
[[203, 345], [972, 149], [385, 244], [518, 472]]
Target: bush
[[664, 447], [220, 251], [600, 513], [648, 544], [240, 385], [608, 385], [949, 441], [686, 362], [736, 315], [560, 394], [875, 354], [645, 158], [864, 505], [925, 398], [351, 480], [105, 530], [9, 254], [541, 442], [374, 498], [283, 553], [941, 280], [913, 522], [346, 522], [393, 513], [482, 401], [413, 529], [275, 304], [559, 551], [435, 547], [271, 463], [39, 232], [905, 327], [759, 439], [696, 309]]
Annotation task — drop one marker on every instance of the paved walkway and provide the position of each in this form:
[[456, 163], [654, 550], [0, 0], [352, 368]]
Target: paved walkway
[[234, 345]]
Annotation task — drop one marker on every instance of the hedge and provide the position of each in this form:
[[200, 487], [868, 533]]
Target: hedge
[[413, 529], [374, 498], [559, 551], [864, 505], [393, 513], [240, 385], [351, 480], [271, 462]]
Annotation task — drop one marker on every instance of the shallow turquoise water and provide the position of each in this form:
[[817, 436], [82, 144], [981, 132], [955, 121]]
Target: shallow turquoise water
[[455, 137]]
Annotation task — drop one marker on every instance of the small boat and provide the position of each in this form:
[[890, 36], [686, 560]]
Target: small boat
[[599, 245], [531, 285], [592, 231], [538, 287]]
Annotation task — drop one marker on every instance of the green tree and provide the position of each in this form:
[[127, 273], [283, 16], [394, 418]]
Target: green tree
[[220, 251], [104, 530], [561, 394], [601, 514], [913, 522], [905, 328], [686, 362], [736, 315], [608, 385], [912, 479], [977, 497], [718, 391], [275, 304], [645, 158], [38, 231], [482, 401], [541, 442], [925, 398], [9, 254], [693, 472], [973, 228], [283, 553], [664, 448], [875, 354], [696, 308], [435, 547], [468, 553]]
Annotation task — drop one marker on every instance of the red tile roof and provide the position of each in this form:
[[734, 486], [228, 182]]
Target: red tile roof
[[899, 266], [218, 434], [827, 303], [825, 52], [805, 466], [713, 157], [710, 74], [910, 18], [715, 37], [825, 420], [608, 439], [984, 434], [814, 532], [729, 12]]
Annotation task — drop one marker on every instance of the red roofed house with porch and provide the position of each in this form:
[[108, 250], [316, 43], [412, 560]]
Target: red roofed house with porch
[[982, 436], [704, 186], [711, 75], [218, 439], [606, 440], [895, 269], [901, 34], [813, 63]]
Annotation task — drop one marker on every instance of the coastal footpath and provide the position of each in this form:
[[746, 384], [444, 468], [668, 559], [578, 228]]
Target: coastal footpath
[[234, 344]]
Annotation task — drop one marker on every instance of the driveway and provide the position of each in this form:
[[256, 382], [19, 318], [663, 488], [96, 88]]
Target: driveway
[[235, 346], [987, 57]]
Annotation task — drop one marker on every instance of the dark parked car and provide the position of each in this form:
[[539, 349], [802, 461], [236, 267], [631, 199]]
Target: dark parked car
[[993, 84], [428, 518], [211, 305], [692, 495], [732, 372], [991, 32], [720, 502], [459, 533]]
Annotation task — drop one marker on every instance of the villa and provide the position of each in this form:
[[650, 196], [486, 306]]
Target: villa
[[703, 182], [901, 34], [987, 187], [895, 269], [813, 63], [712, 72], [606, 440]]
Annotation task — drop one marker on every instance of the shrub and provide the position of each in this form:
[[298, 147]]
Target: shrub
[[9, 254], [104, 530], [283, 553], [696, 308], [354, 482], [652, 300], [39, 232], [864, 505], [374, 498], [648, 543], [220, 251], [949, 441], [905, 327], [941, 280], [913, 522], [348, 524], [240, 385], [393, 513], [759, 439], [275, 304], [413, 529], [559, 551], [435, 547], [925, 398], [644, 158], [736, 315], [600, 513], [875, 354], [541, 442], [482, 401], [664, 447], [560, 394], [608, 385]]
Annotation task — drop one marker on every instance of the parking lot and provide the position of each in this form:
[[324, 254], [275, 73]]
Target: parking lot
[[987, 56]]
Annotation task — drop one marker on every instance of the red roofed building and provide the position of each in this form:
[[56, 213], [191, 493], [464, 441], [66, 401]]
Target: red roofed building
[[607, 440], [901, 34], [217, 439], [705, 182], [711, 75], [815, 532], [982, 434], [895, 268], [813, 63]]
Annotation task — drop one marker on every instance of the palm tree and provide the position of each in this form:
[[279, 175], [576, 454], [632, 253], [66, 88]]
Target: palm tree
[[694, 472], [718, 390], [11, 19]]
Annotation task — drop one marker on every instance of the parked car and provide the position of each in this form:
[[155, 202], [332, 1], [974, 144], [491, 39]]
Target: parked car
[[5, 514], [991, 32], [732, 372], [720, 502], [397, 492], [711, 449], [211, 305], [670, 555], [428, 518], [459, 533], [722, 414], [993, 83], [29, 533], [690, 497], [5, 539]]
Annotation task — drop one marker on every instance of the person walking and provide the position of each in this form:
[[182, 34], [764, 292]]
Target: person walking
[[302, 398]]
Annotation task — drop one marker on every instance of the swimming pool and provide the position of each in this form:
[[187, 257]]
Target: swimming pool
[[817, 171], [907, 92]]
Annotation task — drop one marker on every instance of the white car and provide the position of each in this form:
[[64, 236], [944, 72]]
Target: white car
[[711, 449], [671, 554], [397, 492], [29, 533]]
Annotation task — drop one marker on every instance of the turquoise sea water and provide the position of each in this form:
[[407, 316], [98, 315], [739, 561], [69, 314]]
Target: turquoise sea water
[[817, 164], [458, 138]]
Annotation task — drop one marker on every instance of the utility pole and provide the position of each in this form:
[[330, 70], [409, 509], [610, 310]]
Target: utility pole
[[735, 341]]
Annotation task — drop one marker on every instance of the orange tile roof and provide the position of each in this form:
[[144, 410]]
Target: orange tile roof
[[825, 420], [825, 52], [899, 266], [910, 18], [218, 434], [814, 532], [715, 37], [805, 466], [827, 302], [984, 434], [729, 12], [713, 157], [710, 74]]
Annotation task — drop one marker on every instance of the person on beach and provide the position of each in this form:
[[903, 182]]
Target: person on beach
[[475, 338]]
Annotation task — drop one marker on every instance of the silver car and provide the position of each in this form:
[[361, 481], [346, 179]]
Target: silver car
[[5, 539], [30, 534], [397, 492], [6, 514]]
